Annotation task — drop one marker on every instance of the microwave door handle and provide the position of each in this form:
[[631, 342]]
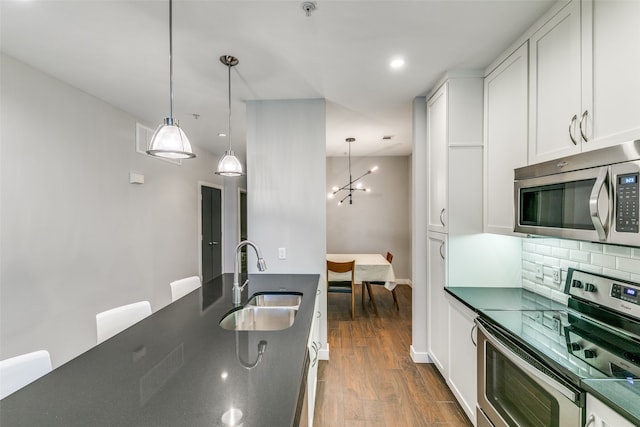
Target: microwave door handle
[[601, 183]]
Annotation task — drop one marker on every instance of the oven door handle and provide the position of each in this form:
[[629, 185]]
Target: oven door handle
[[516, 360], [601, 183]]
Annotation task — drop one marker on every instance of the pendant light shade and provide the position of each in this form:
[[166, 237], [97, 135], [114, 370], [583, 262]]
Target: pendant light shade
[[169, 141], [229, 165]]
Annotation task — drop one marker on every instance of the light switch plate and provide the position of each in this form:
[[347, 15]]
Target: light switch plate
[[282, 253], [557, 276]]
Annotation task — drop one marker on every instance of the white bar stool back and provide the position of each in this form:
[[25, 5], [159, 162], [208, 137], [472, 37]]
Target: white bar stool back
[[19, 371], [111, 322], [182, 287]]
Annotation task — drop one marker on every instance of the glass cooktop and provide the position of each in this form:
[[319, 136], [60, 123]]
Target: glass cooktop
[[574, 346]]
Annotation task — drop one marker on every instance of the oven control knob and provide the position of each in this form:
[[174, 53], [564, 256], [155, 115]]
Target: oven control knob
[[576, 283], [575, 346], [590, 287], [589, 354]]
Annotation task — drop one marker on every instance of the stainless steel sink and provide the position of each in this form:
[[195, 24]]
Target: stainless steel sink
[[253, 318], [275, 299]]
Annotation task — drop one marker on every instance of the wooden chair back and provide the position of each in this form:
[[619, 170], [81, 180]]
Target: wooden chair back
[[340, 267]]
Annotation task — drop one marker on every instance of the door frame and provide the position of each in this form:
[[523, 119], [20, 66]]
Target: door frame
[[222, 221], [239, 228]]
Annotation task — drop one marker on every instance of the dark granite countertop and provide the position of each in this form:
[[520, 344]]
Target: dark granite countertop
[[179, 367], [482, 298]]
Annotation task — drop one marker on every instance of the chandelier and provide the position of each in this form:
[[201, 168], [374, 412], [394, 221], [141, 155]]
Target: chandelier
[[353, 184]]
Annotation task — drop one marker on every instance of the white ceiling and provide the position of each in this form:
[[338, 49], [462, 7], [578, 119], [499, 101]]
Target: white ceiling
[[118, 50]]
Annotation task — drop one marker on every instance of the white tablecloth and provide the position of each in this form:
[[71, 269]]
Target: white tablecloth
[[369, 268]]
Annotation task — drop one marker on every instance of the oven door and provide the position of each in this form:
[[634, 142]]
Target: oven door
[[573, 205], [515, 389]]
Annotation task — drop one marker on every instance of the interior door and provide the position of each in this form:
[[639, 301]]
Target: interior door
[[211, 242]]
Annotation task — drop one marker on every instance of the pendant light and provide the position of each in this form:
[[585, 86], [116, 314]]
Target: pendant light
[[229, 165], [349, 187], [169, 141]]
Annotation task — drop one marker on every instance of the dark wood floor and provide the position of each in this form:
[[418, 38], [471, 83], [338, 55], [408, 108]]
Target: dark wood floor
[[370, 379]]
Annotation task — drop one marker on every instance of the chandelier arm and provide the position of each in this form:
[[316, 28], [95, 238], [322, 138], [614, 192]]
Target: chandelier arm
[[361, 176]]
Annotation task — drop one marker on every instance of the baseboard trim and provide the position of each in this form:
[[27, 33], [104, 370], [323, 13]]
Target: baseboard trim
[[420, 356], [404, 282], [323, 354]]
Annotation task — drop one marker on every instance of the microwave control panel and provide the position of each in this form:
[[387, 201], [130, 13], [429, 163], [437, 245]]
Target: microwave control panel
[[627, 203]]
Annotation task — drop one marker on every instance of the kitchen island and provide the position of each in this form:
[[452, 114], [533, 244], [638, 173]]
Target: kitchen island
[[179, 367]]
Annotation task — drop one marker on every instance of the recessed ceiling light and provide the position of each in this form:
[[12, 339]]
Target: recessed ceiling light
[[397, 63], [222, 134]]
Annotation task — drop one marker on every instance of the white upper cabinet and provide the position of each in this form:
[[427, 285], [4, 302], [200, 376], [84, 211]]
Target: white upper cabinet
[[555, 86], [505, 137], [615, 54], [437, 137], [583, 80], [454, 155]]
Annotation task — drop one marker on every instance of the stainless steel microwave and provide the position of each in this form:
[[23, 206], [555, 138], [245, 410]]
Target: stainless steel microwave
[[591, 196]]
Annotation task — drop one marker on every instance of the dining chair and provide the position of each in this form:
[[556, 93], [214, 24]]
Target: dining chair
[[182, 287], [21, 370], [115, 320], [344, 286], [393, 291]]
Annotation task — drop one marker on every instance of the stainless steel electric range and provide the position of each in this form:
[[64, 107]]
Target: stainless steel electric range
[[531, 362]]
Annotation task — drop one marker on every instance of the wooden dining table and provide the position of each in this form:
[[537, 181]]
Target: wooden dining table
[[368, 268]]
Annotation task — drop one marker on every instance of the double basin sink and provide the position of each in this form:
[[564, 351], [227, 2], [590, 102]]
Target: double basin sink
[[265, 311]]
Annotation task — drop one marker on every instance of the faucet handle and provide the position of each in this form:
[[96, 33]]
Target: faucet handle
[[243, 285]]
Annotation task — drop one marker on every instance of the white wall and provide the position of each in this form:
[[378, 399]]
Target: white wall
[[76, 237], [377, 221], [286, 186], [286, 183]]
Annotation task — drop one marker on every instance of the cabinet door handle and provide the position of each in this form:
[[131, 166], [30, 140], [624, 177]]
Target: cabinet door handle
[[572, 124], [475, 344], [314, 346], [582, 131], [442, 250], [442, 220], [590, 420]]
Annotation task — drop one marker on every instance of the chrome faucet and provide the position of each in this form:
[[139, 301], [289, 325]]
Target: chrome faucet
[[262, 266]]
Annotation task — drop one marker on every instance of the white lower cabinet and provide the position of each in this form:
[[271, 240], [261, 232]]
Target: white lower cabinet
[[462, 356], [314, 347], [438, 327], [600, 415]]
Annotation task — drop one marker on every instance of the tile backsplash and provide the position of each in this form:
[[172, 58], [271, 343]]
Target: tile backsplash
[[544, 255]]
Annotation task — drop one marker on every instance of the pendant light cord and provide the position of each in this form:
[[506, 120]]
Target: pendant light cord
[[229, 80], [171, 60]]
